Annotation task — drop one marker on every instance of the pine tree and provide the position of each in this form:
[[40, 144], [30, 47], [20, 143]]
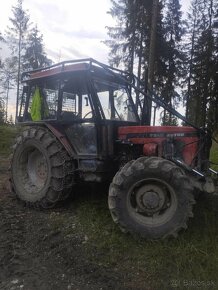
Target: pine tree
[[2, 111], [202, 65], [11, 121], [1, 40], [34, 56], [122, 40], [173, 58], [7, 80], [16, 34], [212, 113]]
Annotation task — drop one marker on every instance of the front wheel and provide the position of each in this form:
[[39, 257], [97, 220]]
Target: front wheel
[[151, 197]]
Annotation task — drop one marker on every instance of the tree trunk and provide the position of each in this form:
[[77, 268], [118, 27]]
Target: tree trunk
[[18, 74], [151, 59]]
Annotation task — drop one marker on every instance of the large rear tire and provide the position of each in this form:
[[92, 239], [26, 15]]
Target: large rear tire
[[41, 169], [151, 197]]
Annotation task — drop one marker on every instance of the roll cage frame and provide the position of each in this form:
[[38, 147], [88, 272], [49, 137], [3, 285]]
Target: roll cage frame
[[88, 69]]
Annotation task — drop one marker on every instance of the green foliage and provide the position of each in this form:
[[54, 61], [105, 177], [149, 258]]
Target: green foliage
[[173, 57], [214, 156], [201, 92], [2, 111], [131, 39], [169, 120], [128, 40], [34, 56], [16, 32], [7, 80], [190, 68], [7, 133]]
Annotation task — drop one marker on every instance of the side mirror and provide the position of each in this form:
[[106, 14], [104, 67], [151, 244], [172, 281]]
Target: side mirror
[[87, 101]]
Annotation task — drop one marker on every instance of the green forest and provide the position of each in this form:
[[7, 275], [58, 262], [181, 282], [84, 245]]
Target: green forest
[[172, 53]]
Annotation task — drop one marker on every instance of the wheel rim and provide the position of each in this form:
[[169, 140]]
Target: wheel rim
[[37, 168], [33, 170], [151, 202]]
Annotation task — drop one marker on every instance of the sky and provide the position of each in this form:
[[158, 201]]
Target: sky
[[71, 29]]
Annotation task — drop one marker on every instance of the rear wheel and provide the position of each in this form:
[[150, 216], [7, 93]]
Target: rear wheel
[[151, 197], [41, 169]]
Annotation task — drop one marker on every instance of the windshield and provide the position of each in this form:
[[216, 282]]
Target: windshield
[[115, 101]]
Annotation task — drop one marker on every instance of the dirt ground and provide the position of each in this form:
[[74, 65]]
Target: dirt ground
[[36, 254]]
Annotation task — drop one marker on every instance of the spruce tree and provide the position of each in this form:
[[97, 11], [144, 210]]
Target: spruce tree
[[2, 111], [1, 40], [16, 34], [7, 80], [212, 113], [34, 56], [173, 58], [11, 122], [201, 91], [122, 42]]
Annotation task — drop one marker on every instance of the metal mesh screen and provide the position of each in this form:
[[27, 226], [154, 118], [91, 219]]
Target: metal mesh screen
[[69, 102], [51, 99]]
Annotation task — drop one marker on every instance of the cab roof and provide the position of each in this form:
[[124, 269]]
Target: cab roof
[[72, 66]]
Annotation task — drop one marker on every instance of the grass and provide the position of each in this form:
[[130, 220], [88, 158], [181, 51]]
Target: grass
[[214, 155], [189, 262], [7, 136], [192, 258]]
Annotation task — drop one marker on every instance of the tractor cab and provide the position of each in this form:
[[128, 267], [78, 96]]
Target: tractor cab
[[77, 91], [83, 100]]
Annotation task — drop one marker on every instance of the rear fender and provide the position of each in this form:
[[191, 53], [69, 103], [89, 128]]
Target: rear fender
[[61, 137], [57, 131]]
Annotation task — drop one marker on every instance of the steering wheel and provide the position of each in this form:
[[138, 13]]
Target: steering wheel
[[87, 114]]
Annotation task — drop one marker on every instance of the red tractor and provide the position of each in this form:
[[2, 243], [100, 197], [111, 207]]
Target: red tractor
[[84, 123]]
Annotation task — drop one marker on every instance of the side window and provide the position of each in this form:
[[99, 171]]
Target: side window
[[51, 98], [105, 103], [115, 101], [83, 138], [76, 101], [123, 108], [22, 103], [86, 107], [138, 100], [76, 105], [46, 106], [70, 103]]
